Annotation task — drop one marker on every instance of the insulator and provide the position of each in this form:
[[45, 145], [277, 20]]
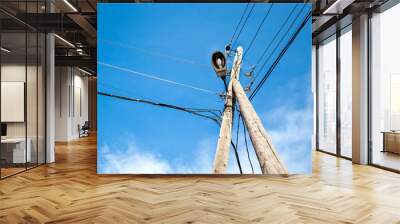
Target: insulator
[[249, 74], [227, 49]]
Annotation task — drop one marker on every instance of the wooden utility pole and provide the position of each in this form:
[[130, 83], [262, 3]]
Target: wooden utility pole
[[268, 158], [225, 134]]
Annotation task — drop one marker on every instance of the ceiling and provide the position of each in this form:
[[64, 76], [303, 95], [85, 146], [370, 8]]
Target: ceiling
[[75, 23]]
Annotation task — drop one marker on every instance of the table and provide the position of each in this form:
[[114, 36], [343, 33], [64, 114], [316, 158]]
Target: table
[[13, 150], [391, 141]]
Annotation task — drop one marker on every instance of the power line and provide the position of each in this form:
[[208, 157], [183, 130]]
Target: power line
[[194, 112], [282, 38], [244, 24], [245, 137], [170, 106], [157, 78], [240, 21], [215, 112], [237, 157], [247, 147], [250, 83], [237, 129], [178, 59], [276, 35], [258, 29], [235, 149], [236, 152], [237, 135], [272, 67]]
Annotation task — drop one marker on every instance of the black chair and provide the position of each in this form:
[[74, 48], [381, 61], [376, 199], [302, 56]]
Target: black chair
[[84, 130]]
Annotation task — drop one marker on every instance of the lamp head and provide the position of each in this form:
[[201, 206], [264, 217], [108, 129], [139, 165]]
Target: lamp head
[[218, 61]]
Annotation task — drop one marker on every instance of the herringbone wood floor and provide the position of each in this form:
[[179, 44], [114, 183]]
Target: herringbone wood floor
[[70, 191]]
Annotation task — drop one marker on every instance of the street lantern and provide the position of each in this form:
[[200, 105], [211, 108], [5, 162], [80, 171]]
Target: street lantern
[[218, 62]]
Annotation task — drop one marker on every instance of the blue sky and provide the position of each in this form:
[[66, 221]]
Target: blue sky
[[160, 39]]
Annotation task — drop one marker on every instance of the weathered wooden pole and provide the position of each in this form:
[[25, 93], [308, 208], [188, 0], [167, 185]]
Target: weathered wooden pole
[[225, 133], [268, 158]]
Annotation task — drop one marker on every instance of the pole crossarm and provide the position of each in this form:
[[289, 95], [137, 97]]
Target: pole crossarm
[[268, 157], [225, 134]]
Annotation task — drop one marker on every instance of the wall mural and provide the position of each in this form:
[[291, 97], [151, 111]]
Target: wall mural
[[204, 88]]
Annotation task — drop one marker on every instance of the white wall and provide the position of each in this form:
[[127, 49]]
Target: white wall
[[314, 92], [17, 72], [81, 89], [33, 126], [71, 94], [61, 103]]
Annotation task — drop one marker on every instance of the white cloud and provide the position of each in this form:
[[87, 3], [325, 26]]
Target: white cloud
[[202, 161], [291, 131], [131, 161], [134, 160], [289, 128]]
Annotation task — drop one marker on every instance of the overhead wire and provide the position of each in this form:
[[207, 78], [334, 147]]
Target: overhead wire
[[236, 144], [286, 20], [258, 29], [150, 76], [283, 37], [157, 104], [247, 147], [274, 64], [215, 112], [237, 129], [240, 21], [245, 137], [276, 35], [244, 24], [170, 106], [138, 49]]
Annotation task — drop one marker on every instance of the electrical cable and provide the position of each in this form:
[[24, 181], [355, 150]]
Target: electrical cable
[[237, 138], [157, 78], [240, 21], [258, 30], [236, 146], [123, 91], [158, 104], [237, 129], [193, 112], [237, 157], [178, 59], [245, 137], [251, 81], [276, 35], [244, 24], [247, 147], [274, 64], [282, 38]]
